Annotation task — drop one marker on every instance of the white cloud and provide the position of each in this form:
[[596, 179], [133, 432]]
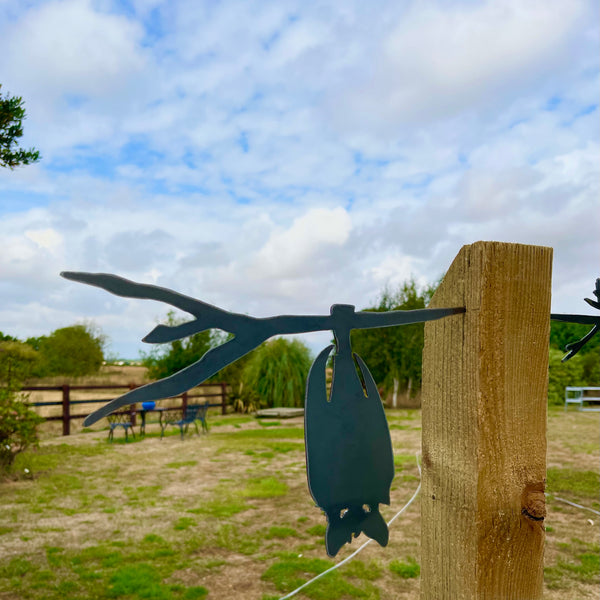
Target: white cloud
[[67, 47], [78, 69], [394, 269], [298, 250], [46, 239], [443, 59], [280, 157], [297, 40]]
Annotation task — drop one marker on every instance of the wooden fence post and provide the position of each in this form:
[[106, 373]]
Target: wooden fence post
[[223, 398], [485, 379], [66, 409], [132, 407]]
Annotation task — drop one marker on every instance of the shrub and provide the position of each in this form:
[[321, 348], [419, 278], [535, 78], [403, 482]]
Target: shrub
[[18, 427], [583, 369], [563, 374], [70, 351], [18, 423]]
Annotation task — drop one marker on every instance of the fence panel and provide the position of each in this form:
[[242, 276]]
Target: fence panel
[[67, 403]]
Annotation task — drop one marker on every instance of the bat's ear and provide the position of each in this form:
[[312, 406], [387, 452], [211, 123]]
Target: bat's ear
[[376, 528], [336, 536]]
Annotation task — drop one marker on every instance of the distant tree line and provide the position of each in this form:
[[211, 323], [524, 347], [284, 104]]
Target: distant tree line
[[275, 373], [394, 354], [72, 351]]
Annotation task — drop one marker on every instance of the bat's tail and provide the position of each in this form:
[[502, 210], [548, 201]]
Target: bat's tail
[[341, 527]]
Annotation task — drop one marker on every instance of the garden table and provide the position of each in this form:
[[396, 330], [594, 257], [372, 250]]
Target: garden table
[[143, 414]]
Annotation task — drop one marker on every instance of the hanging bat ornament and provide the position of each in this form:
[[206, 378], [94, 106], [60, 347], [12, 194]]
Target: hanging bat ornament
[[349, 457]]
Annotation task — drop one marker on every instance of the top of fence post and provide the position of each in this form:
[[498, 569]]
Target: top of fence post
[[484, 426]]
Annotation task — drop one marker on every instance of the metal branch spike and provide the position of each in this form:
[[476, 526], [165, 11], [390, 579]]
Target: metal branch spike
[[249, 332], [574, 347], [594, 303], [362, 462]]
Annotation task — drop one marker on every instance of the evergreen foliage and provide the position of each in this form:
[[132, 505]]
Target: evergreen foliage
[[562, 333], [562, 374], [12, 114], [17, 361]]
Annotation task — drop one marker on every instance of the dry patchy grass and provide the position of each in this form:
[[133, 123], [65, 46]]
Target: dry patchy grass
[[229, 515]]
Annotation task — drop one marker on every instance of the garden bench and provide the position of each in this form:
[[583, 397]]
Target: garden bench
[[578, 395], [183, 418], [120, 419]]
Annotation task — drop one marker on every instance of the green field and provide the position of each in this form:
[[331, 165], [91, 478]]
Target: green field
[[229, 515]]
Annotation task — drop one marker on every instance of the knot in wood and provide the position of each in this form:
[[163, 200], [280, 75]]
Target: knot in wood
[[533, 502]]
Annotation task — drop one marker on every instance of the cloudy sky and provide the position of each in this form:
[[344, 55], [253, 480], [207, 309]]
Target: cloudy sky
[[278, 157]]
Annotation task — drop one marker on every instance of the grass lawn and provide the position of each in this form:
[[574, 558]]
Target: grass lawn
[[229, 515]]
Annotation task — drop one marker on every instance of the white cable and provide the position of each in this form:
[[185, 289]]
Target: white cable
[[576, 505], [351, 556]]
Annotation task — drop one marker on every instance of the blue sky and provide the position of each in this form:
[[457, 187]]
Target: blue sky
[[279, 157]]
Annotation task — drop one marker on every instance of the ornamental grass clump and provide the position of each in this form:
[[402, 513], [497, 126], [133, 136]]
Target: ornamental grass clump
[[275, 375]]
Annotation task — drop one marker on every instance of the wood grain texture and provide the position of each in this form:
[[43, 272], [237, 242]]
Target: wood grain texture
[[485, 378]]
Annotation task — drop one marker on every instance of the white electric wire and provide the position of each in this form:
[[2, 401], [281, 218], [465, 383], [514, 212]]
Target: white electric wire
[[359, 549], [351, 556], [575, 505]]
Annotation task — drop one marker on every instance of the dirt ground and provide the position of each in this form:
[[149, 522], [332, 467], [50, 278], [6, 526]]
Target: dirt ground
[[122, 493]]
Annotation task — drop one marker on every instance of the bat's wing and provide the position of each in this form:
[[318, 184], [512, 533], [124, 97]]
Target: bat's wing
[[210, 363]]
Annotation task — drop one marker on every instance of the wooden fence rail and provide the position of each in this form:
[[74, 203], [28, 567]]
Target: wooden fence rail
[[66, 402]]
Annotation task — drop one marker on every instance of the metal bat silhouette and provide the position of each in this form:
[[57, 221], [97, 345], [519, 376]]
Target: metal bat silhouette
[[574, 347], [349, 456]]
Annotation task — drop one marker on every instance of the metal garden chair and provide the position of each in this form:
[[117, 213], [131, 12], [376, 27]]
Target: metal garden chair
[[177, 418], [120, 419]]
